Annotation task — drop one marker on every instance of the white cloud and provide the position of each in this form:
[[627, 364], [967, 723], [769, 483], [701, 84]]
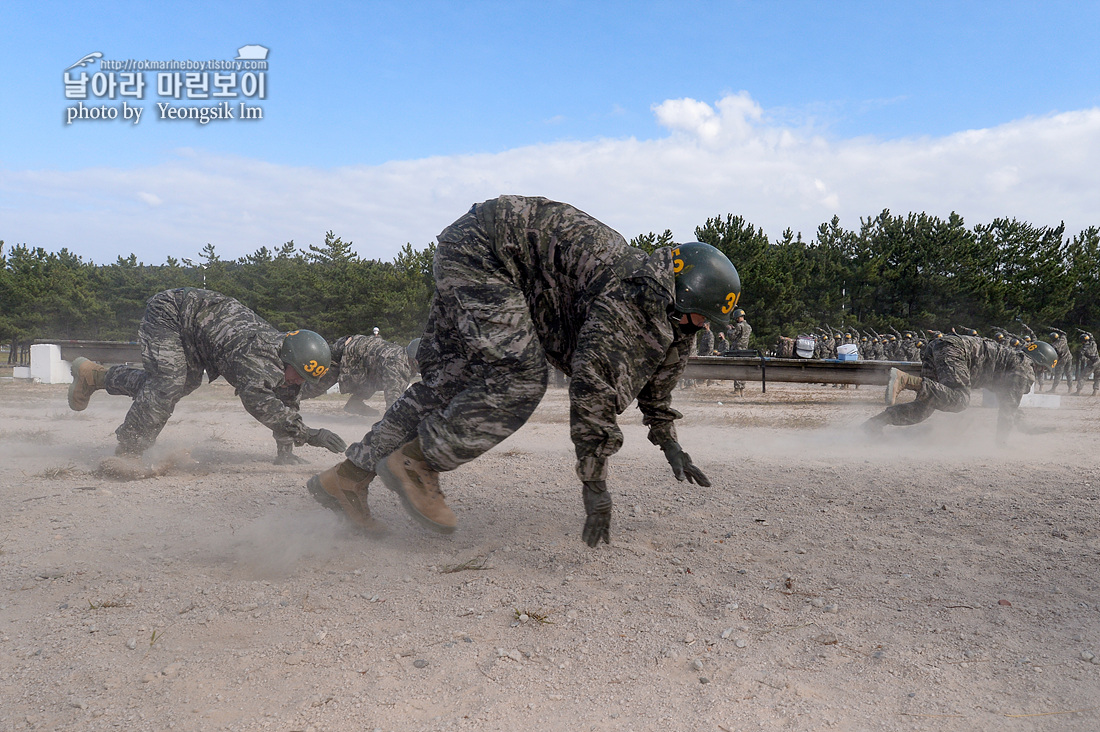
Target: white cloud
[[717, 159]]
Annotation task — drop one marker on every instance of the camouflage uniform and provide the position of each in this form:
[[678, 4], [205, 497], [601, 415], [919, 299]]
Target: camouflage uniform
[[705, 342], [1064, 367], [519, 282], [737, 334], [1090, 365], [952, 366], [187, 332], [364, 365]]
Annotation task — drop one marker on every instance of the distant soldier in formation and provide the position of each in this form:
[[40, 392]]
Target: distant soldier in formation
[[737, 335], [1089, 361], [952, 366], [363, 365], [187, 332], [519, 282], [1065, 360], [705, 341]]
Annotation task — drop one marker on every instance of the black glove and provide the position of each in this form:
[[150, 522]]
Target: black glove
[[597, 504], [326, 439], [682, 467]]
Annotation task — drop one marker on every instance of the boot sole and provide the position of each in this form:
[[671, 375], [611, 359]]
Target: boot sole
[[392, 482], [330, 502], [74, 369], [322, 496], [891, 388]]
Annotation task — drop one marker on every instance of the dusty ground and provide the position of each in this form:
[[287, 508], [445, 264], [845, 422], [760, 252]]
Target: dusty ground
[[928, 581]]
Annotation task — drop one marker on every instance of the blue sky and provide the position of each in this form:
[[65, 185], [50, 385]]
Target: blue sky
[[384, 121]]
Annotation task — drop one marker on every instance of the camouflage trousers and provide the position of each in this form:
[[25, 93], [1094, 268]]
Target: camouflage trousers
[[1064, 368], [944, 387], [483, 368], [1090, 367], [168, 376]]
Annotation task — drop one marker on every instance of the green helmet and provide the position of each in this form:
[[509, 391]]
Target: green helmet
[[308, 353], [1042, 353], [412, 348], [738, 313], [707, 283]]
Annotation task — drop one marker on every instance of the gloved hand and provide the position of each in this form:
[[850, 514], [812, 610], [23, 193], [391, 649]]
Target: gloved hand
[[597, 504], [326, 439], [682, 467]]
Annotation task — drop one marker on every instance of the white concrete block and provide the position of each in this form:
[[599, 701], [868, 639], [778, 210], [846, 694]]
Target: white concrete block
[[47, 366], [21, 372], [1027, 401], [1041, 401]]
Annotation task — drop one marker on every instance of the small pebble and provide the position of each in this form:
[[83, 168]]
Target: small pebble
[[817, 602], [740, 643], [1087, 655], [727, 633], [704, 680], [831, 608], [689, 638], [420, 663], [132, 644], [697, 665]]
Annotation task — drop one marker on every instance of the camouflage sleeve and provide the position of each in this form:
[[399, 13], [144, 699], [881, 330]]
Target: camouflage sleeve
[[617, 349], [396, 376], [270, 411], [275, 407], [326, 382], [655, 399], [1008, 400]]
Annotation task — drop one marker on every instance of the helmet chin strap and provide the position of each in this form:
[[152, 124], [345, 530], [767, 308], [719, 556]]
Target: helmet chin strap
[[689, 327]]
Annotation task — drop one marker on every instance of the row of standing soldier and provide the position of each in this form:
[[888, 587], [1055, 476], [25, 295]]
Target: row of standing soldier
[[906, 345]]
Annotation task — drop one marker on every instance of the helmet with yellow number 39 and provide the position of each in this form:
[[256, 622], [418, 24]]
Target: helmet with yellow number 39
[[707, 283], [308, 353]]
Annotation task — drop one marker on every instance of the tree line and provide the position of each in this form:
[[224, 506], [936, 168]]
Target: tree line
[[907, 271]]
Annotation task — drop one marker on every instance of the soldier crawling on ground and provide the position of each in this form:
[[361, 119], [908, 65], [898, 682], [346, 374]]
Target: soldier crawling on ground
[[187, 332], [520, 281], [953, 365], [363, 365]]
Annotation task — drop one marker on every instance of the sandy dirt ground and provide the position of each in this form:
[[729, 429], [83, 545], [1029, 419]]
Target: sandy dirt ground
[[928, 580]]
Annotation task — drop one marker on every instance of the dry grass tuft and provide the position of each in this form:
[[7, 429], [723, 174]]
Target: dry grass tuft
[[59, 471], [126, 469]]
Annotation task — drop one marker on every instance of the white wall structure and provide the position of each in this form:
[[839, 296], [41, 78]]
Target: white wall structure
[[47, 366]]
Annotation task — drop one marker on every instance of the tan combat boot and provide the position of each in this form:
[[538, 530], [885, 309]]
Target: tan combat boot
[[406, 473], [88, 377], [899, 381], [343, 489]]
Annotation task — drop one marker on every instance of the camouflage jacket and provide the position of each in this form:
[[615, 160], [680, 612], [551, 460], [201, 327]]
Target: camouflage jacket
[[603, 312], [363, 365], [977, 362], [705, 343], [226, 339], [738, 335]]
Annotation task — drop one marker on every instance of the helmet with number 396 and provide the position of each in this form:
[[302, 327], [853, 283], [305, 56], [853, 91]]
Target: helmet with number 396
[[308, 353], [707, 283]]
